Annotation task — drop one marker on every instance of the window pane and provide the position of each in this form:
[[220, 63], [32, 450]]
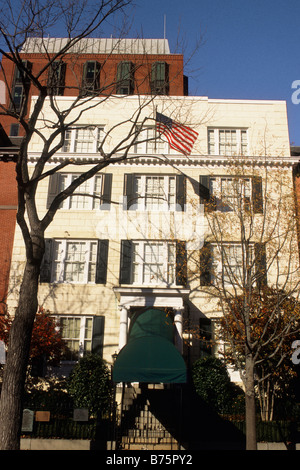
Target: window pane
[[84, 201], [75, 262]]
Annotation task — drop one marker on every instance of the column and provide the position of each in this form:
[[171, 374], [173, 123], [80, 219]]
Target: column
[[178, 329], [123, 326]]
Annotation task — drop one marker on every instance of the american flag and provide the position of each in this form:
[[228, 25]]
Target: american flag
[[180, 137]]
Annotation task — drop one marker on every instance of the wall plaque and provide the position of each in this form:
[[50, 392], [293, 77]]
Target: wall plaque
[[42, 415], [27, 420], [81, 414]]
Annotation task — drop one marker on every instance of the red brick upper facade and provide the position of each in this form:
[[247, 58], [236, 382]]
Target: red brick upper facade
[[129, 72]]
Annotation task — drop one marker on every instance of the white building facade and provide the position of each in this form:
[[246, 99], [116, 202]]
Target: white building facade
[[128, 242]]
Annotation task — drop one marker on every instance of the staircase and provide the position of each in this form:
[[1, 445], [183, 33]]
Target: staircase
[[140, 427]]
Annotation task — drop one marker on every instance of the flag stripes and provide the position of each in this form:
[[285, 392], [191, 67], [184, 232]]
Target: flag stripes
[[180, 137]]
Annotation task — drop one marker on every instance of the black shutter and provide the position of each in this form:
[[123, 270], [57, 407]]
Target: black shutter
[[181, 263], [106, 192], [102, 257], [205, 264], [53, 188], [98, 335], [180, 192], [126, 262], [260, 265], [204, 193], [130, 200], [257, 195], [45, 271]]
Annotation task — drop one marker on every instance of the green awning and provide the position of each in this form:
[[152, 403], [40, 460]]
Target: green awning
[[150, 355]]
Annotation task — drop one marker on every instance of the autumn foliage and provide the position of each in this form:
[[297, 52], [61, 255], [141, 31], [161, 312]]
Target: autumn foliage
[[274, 320], [46, 339]]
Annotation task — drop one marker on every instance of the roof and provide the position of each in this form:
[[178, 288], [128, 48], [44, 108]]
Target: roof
[[98, 46]]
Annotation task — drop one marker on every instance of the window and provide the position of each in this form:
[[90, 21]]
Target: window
[[94, 193], [155, 192], [160, 78], [20, 86], [149, 141], [75, 261], [230, 193], [56, 78], [227, 142], [153, 263], [91, 78], [14, 130], [125, 80], [81, 199], [82, 139], [82, 335], [229, 262]]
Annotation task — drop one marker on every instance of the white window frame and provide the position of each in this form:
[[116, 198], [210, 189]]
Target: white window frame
[[215, 144], [91, 191], [82, 336], [149, 142], [73, 138], [151, 199], [227, 201], [59, 272], [232, 269], [154, 272]]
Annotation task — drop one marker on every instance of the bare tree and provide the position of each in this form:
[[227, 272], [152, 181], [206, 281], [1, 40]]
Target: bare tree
[[251, 242], [80, 20]]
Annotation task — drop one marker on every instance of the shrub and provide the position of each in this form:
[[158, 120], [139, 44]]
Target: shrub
[[89, 384], [212, 383]]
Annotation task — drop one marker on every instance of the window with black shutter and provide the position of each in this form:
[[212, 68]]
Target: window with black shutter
[[154, 192]]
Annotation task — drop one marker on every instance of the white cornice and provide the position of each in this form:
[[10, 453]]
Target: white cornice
[[178, 160]]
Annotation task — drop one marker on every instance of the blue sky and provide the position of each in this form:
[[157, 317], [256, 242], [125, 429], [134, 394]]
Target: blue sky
[[251, 48]]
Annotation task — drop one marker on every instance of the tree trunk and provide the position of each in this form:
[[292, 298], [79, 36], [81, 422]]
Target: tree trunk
[[17, 360], [251, 443]]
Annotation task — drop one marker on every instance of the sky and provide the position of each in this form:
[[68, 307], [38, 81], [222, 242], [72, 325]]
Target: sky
[[250, 48]]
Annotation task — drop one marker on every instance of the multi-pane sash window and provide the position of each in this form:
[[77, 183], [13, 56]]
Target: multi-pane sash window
[[125, 81], [228, 142], [148, 141], [21, 86], [91, 78], [74, 261], [159, 78], [82, 139], [153, 263], [230, 263], [77, 334], [86, 196], [155, 192], [231, 193], [56, 78]]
